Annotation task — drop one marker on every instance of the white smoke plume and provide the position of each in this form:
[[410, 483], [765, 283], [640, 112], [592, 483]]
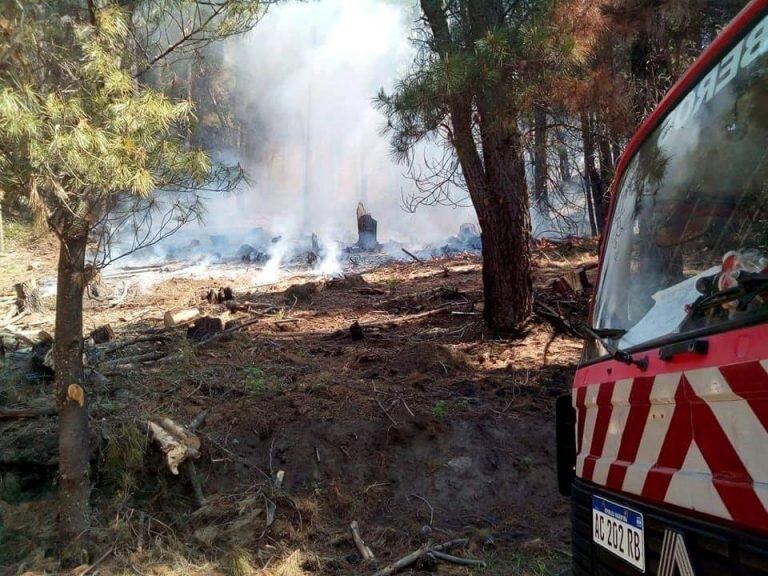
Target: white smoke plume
[[308, 73]]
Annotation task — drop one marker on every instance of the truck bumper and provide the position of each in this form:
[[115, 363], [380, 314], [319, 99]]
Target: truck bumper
[[713, 549]]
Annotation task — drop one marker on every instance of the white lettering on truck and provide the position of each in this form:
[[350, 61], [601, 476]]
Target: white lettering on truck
[[741, 56]]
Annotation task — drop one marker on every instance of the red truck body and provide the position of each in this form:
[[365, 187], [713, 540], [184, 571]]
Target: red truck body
[[663, 446]]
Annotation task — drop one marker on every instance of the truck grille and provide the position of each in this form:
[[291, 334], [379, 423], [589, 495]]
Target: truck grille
[[714, 550]]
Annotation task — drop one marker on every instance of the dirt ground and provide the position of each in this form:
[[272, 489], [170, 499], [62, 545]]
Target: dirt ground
[[428, 428]]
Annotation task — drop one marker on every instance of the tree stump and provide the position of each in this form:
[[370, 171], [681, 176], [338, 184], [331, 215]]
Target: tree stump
[[28, 296], [204, 327], [103, 334], [367, 230]]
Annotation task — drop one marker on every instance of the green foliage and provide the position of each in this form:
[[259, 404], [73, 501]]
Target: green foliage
[[525, 463], [239, 562], [440, 409], [256, 381], [10, 487], [523, 563], [76, 149], [124, 458], [499, 56]]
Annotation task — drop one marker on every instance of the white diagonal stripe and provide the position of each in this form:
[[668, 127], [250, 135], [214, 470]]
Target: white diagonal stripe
[[616, 427], [590, 401], [662, 401], [691, 487], [744, 430]]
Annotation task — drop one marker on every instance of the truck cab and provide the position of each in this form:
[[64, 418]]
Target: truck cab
[[663, 441]]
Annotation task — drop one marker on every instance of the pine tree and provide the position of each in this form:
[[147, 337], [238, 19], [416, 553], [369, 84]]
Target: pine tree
[[82, 142], [480, 71]]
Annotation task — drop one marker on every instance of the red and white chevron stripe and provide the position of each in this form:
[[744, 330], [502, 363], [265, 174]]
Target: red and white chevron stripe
[[696, 439]]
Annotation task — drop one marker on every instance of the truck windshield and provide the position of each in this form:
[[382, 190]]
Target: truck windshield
[[690, 223]]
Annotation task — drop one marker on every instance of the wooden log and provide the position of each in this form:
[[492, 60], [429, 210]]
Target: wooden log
[[119, 345], [174, 318], [456, 560], [174, 441], [28, 296], [364, 550], [403, 563], [127, 361]]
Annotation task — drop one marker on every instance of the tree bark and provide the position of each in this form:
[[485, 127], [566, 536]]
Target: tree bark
[[28, 296], [74, 482], [2, 226], [540, 173], [495, 180], [606, 162], [591, 173]]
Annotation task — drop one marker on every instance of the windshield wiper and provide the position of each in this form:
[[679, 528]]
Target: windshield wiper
[[749, 285], [603, 334]]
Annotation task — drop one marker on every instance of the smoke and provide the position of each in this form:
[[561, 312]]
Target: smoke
[[304, 82]]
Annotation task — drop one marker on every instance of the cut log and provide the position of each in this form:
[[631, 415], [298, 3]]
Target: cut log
[[174, 318], [174, 441], [28, 296], [103, 334], [204, 327]]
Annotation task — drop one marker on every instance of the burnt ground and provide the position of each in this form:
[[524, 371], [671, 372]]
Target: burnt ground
[[428, 428]]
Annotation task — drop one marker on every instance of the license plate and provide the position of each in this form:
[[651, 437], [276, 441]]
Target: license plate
[[619, 530]]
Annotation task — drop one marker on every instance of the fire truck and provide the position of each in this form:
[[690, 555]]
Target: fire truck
[[663, 441]]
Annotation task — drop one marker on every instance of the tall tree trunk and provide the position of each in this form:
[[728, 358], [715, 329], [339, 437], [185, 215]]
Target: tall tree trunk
[[591, 172], [495, 181], [540, 173], [606, 161], [74, 483], [590, 209], [506, 232], [2, 227]]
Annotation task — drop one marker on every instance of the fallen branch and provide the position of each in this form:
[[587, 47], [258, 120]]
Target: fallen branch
[[22, 413], [100, 559], [198, 420], [364, 550], [451, 544], [271, 507], [456, 560], [419, 260], [403, 563], [119, 345], [16, 318], [558, 322], [436, 552], [128, 360], [227, 331]]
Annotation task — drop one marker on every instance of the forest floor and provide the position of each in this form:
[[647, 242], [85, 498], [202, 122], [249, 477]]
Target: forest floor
[[429, 428]]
